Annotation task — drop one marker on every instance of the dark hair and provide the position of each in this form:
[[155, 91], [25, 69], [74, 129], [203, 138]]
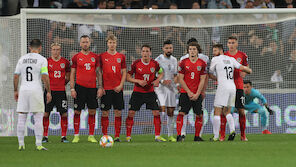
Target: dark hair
[[84, 36], [146, 46], [35, 43], [219, 46], [194, 44], [232, 37], [248, 82], [191, 40], [167, 42]]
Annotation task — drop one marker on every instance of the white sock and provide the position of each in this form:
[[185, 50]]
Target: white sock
[[230, 122], [21, 125], [162, 117], [170, 125], [38, 127], [216, 126], [183, 130]]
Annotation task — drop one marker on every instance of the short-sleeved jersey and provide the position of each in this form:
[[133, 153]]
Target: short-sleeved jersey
[[255, 94], [111, 66], [30, 67], [242, 58], [169, 66], [144, 71], [205, 58], [57, 72], [224, 67], [192, 73], [86, 69]]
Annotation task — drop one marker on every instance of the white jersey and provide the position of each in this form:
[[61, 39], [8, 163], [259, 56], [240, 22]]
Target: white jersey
[[224, 66], [30, 67], [205, 58], [169, 66], [166, 93]]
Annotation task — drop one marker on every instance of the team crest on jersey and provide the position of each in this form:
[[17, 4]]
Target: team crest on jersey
[[152, 69], [62, 65], [179, 68], [93, 59], [239, 60], [102, 105], [198, 68], [118, 60]]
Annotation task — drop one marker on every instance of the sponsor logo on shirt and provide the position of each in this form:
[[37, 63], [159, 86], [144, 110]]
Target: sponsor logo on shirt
[[50, 65], [80, 59]]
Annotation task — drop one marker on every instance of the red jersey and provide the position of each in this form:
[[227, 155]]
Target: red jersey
[[145, 72], [111, 66], [242, 58], [86, 69], [192, 73], [57, 72]]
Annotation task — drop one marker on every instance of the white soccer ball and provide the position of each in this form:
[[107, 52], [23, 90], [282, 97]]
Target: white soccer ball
[[106, 141]]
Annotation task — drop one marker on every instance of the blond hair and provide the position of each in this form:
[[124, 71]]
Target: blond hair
[[55, 44], [111, 37]]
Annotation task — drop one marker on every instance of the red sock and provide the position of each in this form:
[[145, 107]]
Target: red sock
[[223, 125], [129, 125], [76, 123], [45, 125], [242, 125], [64, 125], [198, 125], [117, 125], [157, 125], [179, 123], [91, 123], [104, 124]]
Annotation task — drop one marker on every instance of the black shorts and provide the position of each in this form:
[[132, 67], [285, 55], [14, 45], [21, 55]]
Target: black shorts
[[59, 100], [239, 98], [86, 96], [112, 98], [186, 104], [138, 99]]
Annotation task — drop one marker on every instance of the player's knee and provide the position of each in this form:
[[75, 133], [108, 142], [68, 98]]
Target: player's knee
[[105, 113], [46, 115], [77, 112], [117, 113], [155, 112], [241, 111], [91, 111], [131, 113], [64, 115]]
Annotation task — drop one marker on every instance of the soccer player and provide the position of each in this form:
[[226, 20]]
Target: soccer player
[[85, 68], [166, 90], [242, 58], [144, 71], [250, 94], [206, 59], [59, 76], [113, 68], [192, 79], [223, 66], [31, 69]]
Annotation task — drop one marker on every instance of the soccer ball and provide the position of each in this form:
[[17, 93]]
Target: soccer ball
[[106, 141]]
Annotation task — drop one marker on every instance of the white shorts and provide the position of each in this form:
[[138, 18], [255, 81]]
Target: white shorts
[[225, 98], [30, 101], [166, 96]]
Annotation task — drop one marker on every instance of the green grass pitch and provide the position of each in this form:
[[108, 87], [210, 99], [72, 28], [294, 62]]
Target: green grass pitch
[[276, 150]]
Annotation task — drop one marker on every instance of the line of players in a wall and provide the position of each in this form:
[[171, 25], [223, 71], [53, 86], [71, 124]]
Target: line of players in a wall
[[156, 83]]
